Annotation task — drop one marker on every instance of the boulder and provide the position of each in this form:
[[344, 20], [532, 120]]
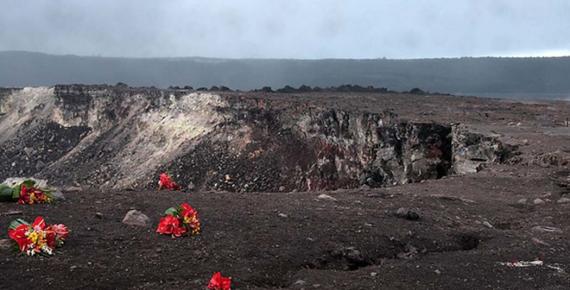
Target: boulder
[[326, 197], [6, 244], [136, 218], [473, 150]]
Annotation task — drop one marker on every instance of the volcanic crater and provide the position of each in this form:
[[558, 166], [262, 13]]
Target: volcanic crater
[[329, 190]]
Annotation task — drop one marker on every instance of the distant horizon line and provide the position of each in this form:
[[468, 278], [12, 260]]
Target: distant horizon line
[[519, 56]]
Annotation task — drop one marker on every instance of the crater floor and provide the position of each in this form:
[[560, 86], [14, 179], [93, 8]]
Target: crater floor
[[359, 238]]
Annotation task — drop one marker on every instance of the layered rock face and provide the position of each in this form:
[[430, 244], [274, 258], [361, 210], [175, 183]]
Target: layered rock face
[[472, 151], [120, 137]]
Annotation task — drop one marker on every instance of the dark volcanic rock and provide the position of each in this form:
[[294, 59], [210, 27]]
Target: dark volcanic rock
[[471, 150], [32, 150]]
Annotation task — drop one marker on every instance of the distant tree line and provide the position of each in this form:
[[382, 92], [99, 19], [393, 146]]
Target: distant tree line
[[302, 89]]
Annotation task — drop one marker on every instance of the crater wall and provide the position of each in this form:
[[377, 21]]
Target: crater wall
[[120, 137]]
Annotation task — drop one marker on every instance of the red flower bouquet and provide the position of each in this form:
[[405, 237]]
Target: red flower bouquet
[[166, 182], [219, 282], [25, 192], [179, 221], [37, 238]]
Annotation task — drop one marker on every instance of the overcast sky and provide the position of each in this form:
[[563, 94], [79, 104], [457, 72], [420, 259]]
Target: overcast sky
[[287, 28]]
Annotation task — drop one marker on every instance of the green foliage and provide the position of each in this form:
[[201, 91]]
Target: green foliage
[[14, 224], [6, 193], [171, 211]]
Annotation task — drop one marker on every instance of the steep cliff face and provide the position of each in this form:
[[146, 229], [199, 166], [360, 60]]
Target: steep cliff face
[[118, 137], [472, 151], [314, 149]]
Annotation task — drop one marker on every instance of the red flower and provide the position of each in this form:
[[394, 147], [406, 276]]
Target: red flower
[[179, 231], [167, 224], [38, 237], [167, 183], [24, 196], [60, 231], [51, 238], [40, 196], [170, 225], [179, 221], [190, 217], [219, 282], [32, 195], [39, 224], [187, 210], [19, 235]]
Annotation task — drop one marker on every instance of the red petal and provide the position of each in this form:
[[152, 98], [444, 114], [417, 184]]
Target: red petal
[[218, 282], [39, 222], [19, 235]]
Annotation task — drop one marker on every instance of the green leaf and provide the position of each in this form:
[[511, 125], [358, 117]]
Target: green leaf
[[16, 192], [171, 211], [14, 224], [5, 193], [28, 183]]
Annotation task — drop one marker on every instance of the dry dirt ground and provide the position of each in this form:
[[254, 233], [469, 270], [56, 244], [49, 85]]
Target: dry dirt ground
[[468, 225]]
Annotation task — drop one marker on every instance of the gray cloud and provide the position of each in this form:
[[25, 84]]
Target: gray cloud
[[287, 28]]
